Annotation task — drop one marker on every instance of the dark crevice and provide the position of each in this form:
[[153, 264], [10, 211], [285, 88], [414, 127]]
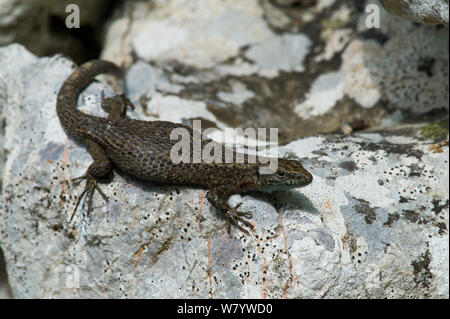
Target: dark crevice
[[3, 275], [84, 43]]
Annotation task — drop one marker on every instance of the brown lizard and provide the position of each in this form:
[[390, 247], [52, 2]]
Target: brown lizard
[[142, 149]]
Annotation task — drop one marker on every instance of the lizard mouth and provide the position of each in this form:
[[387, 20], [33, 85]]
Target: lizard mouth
[[297, 184], [287, 185], [306, 182], [299, 180]]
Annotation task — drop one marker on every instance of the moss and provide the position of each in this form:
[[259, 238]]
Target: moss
[[333, 23], [435, 131]]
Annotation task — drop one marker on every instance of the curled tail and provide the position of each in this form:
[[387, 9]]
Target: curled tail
[[66, 103]]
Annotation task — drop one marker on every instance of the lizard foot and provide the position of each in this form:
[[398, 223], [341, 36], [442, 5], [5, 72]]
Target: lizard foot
[[89, 189], [233, 216]]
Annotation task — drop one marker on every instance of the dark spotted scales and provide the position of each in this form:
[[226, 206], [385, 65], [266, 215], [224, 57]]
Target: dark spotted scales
[[142, 149]]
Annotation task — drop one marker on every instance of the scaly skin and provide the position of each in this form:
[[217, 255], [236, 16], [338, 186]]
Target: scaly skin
[[142, 149]]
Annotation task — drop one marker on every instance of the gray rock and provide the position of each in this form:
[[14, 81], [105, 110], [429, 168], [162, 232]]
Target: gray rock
[[429, 12], [41, 25], [373, 224], [261, 65]]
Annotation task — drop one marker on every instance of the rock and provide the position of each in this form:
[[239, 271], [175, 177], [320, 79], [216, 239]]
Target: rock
[[283, 63], [429, 12], [41, 26], [373, 224]]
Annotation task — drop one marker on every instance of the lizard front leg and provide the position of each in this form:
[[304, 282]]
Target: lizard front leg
[[218, 197], [99, 168]]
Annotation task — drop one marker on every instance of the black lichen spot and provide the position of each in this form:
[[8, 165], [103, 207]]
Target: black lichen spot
[[56, 227], [391, 218], [348, 165], [415, 170], [401, 149], [437, 207], [411, 215], [404, 199], [442, 228], [363, 207], [422, 273], [426, 65]]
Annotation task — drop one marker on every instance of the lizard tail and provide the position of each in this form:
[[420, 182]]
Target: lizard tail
[[66, 102]]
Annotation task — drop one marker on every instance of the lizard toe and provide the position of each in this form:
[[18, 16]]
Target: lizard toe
[[89, 189], [235, 218], [233, 221]]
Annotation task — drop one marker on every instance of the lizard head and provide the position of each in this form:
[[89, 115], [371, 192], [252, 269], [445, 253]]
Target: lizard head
[[289, 174]]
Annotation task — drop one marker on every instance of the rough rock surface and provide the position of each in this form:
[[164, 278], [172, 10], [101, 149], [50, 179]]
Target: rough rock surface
[[373, 224], [422, 11], [302, 69]]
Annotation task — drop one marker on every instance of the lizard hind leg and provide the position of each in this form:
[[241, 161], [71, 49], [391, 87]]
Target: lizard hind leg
[[99, 168]]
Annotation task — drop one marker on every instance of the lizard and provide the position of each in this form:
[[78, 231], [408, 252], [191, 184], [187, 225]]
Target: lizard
[[142, 150]]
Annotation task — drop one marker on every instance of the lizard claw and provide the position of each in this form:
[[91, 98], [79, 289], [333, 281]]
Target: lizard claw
[[233, 216], [89, 189]]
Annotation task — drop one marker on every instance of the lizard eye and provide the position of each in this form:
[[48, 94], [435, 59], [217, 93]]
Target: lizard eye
[[281, 174]]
